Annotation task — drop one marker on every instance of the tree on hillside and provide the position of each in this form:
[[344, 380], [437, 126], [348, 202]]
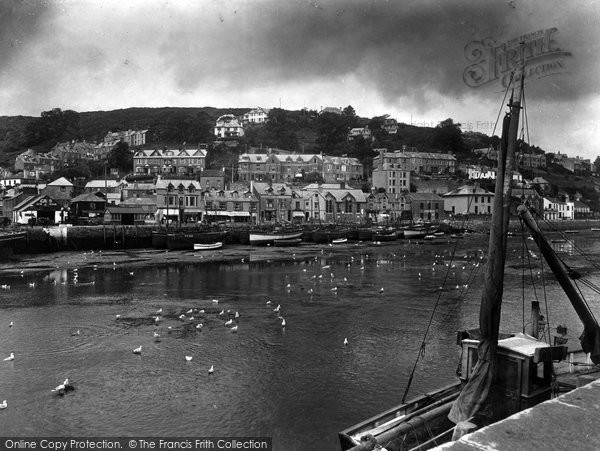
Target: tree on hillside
[[332, 131], [597, 163], [52, 126], [121, 157], [447, 137], [349, 112]]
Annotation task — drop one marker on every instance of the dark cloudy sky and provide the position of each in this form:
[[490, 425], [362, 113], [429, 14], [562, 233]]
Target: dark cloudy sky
[[403, 58]]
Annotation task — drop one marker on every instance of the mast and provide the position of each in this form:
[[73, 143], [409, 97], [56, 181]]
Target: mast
[[590, 338], [473, 398]]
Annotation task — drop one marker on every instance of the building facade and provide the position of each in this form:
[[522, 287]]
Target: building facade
[[391, 171], [228, 126], [278, 168], [169, 162], [256, 116], [468, 199]]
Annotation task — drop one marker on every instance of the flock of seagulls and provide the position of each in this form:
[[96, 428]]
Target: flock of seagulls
[[190, 316]]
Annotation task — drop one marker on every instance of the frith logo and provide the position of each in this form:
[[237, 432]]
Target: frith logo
[[491, 62]]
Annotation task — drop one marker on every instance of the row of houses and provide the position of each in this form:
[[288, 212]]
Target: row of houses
[[185, 201]]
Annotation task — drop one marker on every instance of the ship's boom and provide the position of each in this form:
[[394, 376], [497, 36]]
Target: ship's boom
[[590, 339]]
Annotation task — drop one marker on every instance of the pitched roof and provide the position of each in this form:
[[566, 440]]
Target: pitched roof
[[468, 190], [60, 182], [88, 197]]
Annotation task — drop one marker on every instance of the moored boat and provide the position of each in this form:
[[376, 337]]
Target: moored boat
[[321, 236], [185, 240], [159, 239], [339, 241], [500, 374], [262, 237], [287, 242], [208, 246], [414, 233], [387, 234]]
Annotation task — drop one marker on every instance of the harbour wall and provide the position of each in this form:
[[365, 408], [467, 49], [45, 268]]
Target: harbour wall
[[75, 238]]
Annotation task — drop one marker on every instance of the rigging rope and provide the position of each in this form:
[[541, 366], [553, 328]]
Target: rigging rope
[[421, 351]]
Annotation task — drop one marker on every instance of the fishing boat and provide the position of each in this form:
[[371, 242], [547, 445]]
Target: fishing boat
[[327, 235], [415, 232], [8, 238], [262, 237], [159, 239], [287, 242], [208, 246], [185, 240], [499, 373], [339, 241], [384, 234]]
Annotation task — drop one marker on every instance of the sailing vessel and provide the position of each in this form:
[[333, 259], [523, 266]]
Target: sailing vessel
[[500, 374]]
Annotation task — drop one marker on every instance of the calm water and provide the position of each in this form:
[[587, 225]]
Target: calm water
[[298, 384]]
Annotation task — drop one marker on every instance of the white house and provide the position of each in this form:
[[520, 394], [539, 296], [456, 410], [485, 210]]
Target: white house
[[468, 200], [256, 116], [228, 126], [557, 209]]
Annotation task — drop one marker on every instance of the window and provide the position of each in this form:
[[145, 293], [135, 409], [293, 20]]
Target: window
[[329, 206]]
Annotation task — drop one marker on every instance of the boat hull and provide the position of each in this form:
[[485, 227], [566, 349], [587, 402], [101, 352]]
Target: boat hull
[[288, 242], [263, 238], [208, 247]]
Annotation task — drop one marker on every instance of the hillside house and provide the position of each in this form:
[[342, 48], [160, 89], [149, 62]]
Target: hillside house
[[228, 126]]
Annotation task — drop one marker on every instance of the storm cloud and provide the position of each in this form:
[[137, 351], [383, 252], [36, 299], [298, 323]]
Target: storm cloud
[[406, 58]]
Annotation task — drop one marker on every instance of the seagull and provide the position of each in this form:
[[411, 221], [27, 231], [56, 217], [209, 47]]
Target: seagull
[[131, 273], [190, 311], [268, 302], [117, 316], [10, 357], [234, 328], [3, 405], [215, 301], [32, 284], [188, 358], [201, 311], [10, 324], [237, 315], [159, 311], [229, 322], [222, 312], [61, 388], [182, 316], [211, 369], [282, 322], [276, 309], [77, 332], [381, 290], [345, 341], [157, 319], [199, 326], [137, 350], [156, 335]]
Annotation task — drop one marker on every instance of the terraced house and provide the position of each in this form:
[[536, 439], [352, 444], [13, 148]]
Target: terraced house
[[281, 168], [169, 162]]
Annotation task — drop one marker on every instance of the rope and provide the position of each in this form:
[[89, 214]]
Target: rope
[[421, 352]]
